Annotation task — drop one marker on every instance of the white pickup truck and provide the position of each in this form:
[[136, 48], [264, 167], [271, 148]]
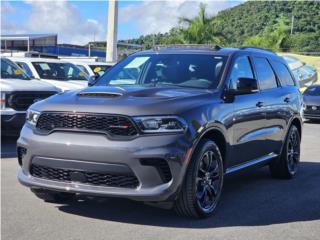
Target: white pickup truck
[[18, 92], [64, 75]]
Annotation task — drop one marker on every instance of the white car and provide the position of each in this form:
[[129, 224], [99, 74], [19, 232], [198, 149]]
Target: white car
[[93, 69], [62, 74], [18, 92]]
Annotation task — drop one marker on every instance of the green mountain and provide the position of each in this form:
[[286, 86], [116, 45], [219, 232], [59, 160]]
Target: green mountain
[[240, 23], [251, 18]]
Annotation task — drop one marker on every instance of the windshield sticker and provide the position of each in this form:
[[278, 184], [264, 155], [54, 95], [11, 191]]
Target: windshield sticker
[[137, 62]]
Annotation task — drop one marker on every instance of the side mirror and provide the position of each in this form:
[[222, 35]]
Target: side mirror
[[92, 80], [246, 86]]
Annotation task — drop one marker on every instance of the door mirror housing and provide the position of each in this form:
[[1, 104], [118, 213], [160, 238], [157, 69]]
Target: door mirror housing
[[246, 86]]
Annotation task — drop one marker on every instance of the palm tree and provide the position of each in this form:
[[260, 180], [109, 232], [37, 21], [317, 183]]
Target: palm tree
[[201, 29]]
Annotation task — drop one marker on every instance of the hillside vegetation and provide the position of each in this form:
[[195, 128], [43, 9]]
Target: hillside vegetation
[[251, 22]]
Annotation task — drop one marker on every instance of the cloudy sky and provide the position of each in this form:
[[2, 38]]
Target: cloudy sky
[[78, 22]]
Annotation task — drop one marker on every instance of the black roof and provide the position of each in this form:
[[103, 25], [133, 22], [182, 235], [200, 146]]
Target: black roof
[[202, 49]]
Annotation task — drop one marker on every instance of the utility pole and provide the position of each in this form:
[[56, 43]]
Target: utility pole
[[292, 20], [111, 54]]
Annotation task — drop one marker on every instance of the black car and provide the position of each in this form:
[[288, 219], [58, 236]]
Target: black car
[[166, 126], [311, 98]]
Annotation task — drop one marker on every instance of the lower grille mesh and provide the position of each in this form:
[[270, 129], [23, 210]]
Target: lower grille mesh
[[93, 178]]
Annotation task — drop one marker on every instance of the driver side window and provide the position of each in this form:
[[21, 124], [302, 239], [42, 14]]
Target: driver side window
[[240, 69]]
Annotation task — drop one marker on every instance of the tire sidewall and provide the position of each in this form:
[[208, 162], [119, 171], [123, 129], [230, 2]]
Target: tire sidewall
[[292, 129], [207, 145]]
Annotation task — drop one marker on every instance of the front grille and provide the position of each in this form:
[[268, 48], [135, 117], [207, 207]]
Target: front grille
[[110, 124], [21, 101], [312, 110], [92, 178]]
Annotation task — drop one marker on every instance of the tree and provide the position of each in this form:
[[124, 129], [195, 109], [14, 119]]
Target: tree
[[200, 30], [272, 37]]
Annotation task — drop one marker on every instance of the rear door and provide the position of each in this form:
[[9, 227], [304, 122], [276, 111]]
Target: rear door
[[276, 101], [248, 119]]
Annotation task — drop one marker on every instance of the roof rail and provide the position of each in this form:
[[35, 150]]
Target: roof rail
[[187, 46], [257, 48]]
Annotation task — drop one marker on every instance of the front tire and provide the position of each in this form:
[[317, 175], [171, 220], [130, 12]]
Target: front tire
[[286, 166], [202, 186], [53, 197]]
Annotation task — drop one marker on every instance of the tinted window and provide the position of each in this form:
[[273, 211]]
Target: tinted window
[[102, 68], [240, 69], [11, 70], [185, 70], [282, 73], [83, 69], [266, 77], [59, 71], [25, 67], [312, 91]]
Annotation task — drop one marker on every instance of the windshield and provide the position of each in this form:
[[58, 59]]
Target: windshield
[[312, 91], [11, 70], [102, 69], [59, 71], [184, 70]]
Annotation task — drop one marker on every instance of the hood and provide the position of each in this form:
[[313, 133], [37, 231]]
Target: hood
[[67, 85], [10, 85], [311, 100], [129, 100]]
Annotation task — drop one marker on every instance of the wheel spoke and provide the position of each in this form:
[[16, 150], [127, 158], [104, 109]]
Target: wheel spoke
[[201, 194], [213, 190]]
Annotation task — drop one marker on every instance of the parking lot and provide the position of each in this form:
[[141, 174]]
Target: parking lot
[[253, 206]]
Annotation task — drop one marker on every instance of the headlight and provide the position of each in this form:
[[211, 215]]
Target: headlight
[[161, 124], [32, 117], [304, 106], [3, 101]]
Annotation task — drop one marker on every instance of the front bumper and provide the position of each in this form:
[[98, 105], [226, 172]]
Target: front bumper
[[98, 149], [12, 122]]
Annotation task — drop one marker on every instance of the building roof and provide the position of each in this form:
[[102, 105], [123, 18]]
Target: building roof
[[26, 36]]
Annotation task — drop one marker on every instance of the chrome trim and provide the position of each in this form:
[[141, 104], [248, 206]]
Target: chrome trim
[[251, 163]]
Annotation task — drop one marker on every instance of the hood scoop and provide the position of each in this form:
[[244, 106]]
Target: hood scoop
[[100, 94]]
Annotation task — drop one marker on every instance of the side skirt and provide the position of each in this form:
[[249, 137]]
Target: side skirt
[[256, 162]]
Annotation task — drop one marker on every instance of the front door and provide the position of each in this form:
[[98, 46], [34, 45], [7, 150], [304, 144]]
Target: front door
[[248, 119]]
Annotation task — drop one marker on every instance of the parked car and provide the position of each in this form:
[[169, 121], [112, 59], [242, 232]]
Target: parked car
[[62, 74], [306, 75], [93, 69], [169, 133], [311, 97], [18, 92]]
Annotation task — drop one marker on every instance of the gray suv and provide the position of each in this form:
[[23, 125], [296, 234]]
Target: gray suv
[[165, 126]]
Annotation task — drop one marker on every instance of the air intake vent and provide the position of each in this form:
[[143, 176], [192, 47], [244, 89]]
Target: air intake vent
[[100, 94]]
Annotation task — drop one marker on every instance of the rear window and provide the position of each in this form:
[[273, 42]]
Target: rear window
[[266, 77], [282, 73]]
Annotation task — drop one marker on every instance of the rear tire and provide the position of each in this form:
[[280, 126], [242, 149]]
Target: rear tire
[[53, 197], [286, 166], [202, 186]]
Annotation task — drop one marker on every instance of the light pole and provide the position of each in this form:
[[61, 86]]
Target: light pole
[[292, 20], [111, 54]]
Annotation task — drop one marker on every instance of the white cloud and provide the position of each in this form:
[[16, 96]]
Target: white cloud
[[57, 17], [161, 16]]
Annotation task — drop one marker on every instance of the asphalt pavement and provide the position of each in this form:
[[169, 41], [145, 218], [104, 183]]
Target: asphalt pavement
[[253, 206]]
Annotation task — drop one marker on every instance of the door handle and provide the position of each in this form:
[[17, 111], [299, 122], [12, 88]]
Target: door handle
[[259, 104], [287, 100]]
